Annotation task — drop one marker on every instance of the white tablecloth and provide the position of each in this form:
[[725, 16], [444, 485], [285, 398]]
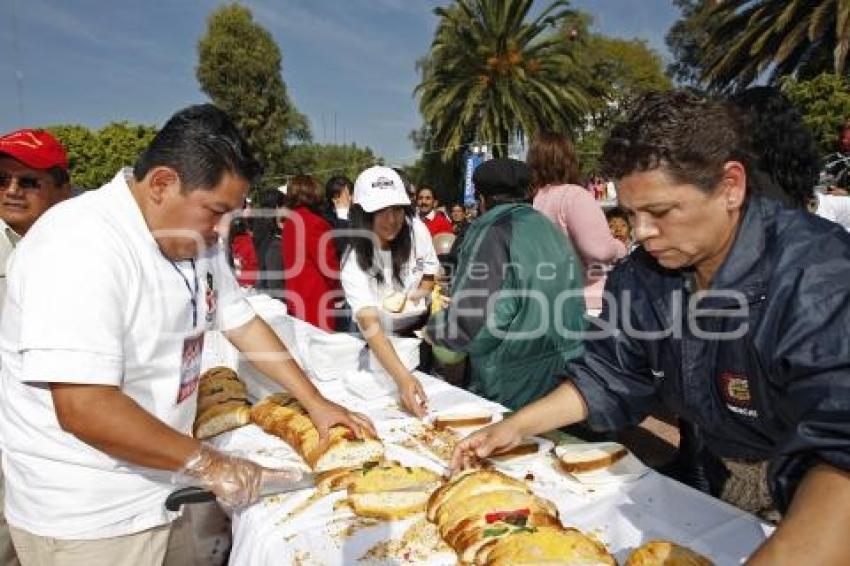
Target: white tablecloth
[[622, 515]]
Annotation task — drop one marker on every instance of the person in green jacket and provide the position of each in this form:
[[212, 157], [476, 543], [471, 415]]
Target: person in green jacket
[[516, 307]]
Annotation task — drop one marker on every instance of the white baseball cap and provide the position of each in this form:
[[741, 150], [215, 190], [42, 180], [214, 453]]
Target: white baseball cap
[[379, 187]]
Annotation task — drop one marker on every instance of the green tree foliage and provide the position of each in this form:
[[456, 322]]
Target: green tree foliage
[[95, 156], [239, 67], [496, 75], [777, 38], [621, 69], [616, 71], [325, 161], [686, 39], [825, 104]]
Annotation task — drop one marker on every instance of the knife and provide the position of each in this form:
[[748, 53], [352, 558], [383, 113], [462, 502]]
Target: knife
[[270, 486]]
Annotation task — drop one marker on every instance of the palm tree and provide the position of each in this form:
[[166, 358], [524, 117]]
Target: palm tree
[[492, 76], [780, 37]]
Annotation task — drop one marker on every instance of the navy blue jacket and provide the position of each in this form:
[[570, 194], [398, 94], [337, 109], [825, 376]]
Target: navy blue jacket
[[780, 390]]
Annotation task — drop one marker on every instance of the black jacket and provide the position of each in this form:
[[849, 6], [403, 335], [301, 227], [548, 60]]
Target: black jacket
[[781, 390]]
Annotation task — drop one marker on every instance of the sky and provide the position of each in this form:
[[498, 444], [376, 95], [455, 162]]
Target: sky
[[349, 65]]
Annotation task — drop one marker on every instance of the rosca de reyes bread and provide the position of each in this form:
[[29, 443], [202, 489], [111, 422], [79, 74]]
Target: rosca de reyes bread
[[222, 403], [664, 553], [488, 517], [281, 415]]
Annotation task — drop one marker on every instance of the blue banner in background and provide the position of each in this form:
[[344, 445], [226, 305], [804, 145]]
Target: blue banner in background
[[473, 160]]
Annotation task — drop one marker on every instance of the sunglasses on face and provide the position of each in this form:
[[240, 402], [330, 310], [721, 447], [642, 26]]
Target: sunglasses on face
[[25, 182]]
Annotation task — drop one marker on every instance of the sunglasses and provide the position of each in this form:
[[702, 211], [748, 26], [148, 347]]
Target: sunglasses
[[25, 182]]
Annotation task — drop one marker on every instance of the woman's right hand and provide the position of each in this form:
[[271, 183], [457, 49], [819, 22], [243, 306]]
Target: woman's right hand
[[498, 437], [413, 397]]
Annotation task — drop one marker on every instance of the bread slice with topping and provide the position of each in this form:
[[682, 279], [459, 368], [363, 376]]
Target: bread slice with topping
[[664, 553], [470, 482], [545, 545]]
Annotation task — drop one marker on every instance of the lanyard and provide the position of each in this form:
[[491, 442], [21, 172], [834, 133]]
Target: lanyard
[[193, 294]]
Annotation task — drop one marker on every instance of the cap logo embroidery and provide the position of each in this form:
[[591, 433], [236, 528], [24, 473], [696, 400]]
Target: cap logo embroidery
[[32, 143], [383, 183]]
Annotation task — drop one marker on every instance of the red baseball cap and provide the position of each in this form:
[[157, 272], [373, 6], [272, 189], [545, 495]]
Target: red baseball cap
[[34, 148]]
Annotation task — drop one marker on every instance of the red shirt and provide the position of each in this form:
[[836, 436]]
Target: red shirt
[[439, 224], [244, 259], [311, 268]]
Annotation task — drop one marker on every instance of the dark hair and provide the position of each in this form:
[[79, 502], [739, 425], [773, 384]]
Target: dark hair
[[689, 135], [304, 190], [201, 144], [59, 176], [428, 188], [334, 187], [786, 156], [457, 203], [264, 227], [364, 247], [552, 161], [405, 180], [617, 212]]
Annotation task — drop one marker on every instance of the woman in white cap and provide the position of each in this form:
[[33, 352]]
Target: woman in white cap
[[389, 264]]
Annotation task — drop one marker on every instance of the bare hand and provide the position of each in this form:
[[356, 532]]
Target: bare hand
[[413, 397], [327, 414], [837, 191], [497, 437]]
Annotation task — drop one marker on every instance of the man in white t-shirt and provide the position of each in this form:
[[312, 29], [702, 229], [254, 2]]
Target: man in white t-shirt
[[108, 300], [33, 177]]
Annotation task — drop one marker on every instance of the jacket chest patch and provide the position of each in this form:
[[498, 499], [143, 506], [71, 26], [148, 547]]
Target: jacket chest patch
[[735, 390]]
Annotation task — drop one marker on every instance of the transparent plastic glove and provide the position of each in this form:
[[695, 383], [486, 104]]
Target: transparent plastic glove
[[236, 482]]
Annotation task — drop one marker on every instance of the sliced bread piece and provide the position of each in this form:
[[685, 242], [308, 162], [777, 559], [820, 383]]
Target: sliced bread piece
[[394, 302], [445, 421], [221, 418], [580, 458], [664, 553], [389, 505], [470, 482], [468, 537], [545, 545]]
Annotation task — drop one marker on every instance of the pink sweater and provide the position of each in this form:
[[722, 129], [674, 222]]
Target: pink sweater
[[581, 218]]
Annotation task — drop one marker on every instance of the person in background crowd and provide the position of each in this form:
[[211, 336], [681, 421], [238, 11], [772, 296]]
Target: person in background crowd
[[267, 220], [310, 260], [409, 187], [557, 194], [109, 297], [338, 201], [618, 224], [516, 294], [836, 166], [767, 386], [245, 263], [33, 177], [786, 156], [434, 220], [397, 257], [338, 191], [457, 215]]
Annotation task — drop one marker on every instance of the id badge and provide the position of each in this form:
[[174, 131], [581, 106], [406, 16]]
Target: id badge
[[190, 365]]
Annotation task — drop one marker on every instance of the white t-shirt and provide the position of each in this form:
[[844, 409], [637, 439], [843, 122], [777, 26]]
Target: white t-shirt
[[363, 290], [91, 299], [835, 208]]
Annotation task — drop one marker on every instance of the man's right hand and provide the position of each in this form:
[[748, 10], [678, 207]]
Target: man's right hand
[[498, 437]]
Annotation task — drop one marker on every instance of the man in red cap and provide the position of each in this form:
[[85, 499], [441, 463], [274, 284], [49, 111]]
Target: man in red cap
[[33, 177]]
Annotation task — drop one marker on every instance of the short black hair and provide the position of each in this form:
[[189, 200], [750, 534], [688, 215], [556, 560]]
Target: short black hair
[[335, 185], [201, 143], [687, 134], [617, 212], [785, 152]]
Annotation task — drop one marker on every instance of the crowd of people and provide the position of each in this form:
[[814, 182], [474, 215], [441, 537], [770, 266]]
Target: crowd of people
[[711, 291]]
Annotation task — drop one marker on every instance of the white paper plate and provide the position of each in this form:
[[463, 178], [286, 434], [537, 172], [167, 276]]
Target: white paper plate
[[626, 469]]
